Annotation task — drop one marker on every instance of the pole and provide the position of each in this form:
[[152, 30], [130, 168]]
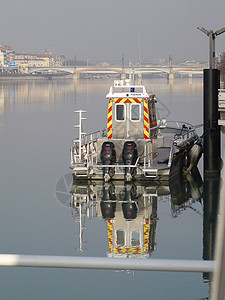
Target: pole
[[218, 287], [211, 50], [211, 128]]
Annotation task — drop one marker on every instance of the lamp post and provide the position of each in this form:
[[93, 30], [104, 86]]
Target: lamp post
[[212, 143], [212, 36]]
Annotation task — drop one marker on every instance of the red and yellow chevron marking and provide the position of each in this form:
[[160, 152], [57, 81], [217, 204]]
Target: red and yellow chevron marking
[[146, 120], [127, 100], [109, 120], [127, 250], [146, 235], [109, 230]]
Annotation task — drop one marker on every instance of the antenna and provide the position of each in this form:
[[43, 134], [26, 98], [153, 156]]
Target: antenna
[[139, 54]]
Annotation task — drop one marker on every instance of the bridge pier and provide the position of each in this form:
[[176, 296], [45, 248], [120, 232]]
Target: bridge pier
[[139, 75], [76, 75], [171, 76]]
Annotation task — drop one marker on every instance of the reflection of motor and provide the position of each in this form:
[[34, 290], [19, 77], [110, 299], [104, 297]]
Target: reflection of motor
[[129, 211], [108, 157], [129, 205], [129, 156], [108, 203], [108, 209]]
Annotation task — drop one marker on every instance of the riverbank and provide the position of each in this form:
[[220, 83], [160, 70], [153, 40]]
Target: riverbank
[[32, 77]]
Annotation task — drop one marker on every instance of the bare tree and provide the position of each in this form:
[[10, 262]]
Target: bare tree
[[221, 67]]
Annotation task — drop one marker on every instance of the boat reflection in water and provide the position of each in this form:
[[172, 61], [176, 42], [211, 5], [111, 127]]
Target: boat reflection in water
[[130, 210]]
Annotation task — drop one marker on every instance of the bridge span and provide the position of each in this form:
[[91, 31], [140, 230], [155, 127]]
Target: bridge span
[[123, 71]]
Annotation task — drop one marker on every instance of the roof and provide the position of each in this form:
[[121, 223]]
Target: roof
[[127, 90]]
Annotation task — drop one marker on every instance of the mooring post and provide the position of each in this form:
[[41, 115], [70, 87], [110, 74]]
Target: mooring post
[[212, 151]]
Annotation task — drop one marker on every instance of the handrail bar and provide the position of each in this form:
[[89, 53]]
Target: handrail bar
[[43, 261]]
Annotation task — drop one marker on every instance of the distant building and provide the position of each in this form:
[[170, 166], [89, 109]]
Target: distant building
[[24, 61], [7, 56]]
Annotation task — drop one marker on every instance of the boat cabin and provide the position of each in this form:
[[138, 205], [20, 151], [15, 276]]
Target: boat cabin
[[131, 111]]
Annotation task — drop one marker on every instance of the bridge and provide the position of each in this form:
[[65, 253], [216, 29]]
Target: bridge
[[123, 71]]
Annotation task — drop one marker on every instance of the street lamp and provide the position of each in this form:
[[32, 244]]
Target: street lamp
[[212, 36]]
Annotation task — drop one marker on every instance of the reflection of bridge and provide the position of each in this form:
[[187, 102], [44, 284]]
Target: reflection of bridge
[[123, 71]]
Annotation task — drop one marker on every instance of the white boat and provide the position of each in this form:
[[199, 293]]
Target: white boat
[[134, 146]]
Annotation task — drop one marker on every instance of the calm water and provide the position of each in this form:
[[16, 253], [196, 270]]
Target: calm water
[[36, 130]]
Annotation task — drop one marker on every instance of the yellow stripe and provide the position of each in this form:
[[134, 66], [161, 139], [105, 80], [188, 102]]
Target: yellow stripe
[[146, 124], [109, 124], [122, 100], [146, 115], [109, 133], [146, 134]]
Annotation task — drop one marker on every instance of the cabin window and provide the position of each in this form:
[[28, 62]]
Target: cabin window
[[135, 238], [120, 237], [120, 112], [135, 110]]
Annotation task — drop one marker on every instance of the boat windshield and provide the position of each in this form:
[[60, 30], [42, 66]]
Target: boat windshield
[[120, 112], [135, 112]]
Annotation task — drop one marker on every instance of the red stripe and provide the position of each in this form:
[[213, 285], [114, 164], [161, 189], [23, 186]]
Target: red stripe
[[110, 118], [108, 129], [128, 100], [146, 119], [109, 110], [145, 109]]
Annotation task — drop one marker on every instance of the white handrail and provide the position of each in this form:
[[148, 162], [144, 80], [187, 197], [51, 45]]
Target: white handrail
[[13, 260]]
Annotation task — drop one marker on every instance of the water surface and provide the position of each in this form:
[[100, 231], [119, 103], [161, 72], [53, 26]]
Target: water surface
[[36, 130]]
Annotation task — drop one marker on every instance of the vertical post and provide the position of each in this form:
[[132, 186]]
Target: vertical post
[[80, 132], [211, 128], [211, 190], [218, 287], [123, 74], [211, 50], [80, 129]]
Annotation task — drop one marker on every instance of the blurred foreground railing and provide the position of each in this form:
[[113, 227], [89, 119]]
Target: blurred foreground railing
[[105, 263]]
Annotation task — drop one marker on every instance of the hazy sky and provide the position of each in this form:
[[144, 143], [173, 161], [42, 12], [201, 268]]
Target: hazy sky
[[105, 29]]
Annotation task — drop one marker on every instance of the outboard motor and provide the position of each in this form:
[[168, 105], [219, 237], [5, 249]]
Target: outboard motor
[[108, 157], [129, 156]]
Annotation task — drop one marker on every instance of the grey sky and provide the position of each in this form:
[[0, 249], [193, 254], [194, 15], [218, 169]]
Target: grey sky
[[106, 29]]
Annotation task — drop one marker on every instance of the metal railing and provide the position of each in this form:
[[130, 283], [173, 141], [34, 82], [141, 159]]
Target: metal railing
[[13, 260]]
